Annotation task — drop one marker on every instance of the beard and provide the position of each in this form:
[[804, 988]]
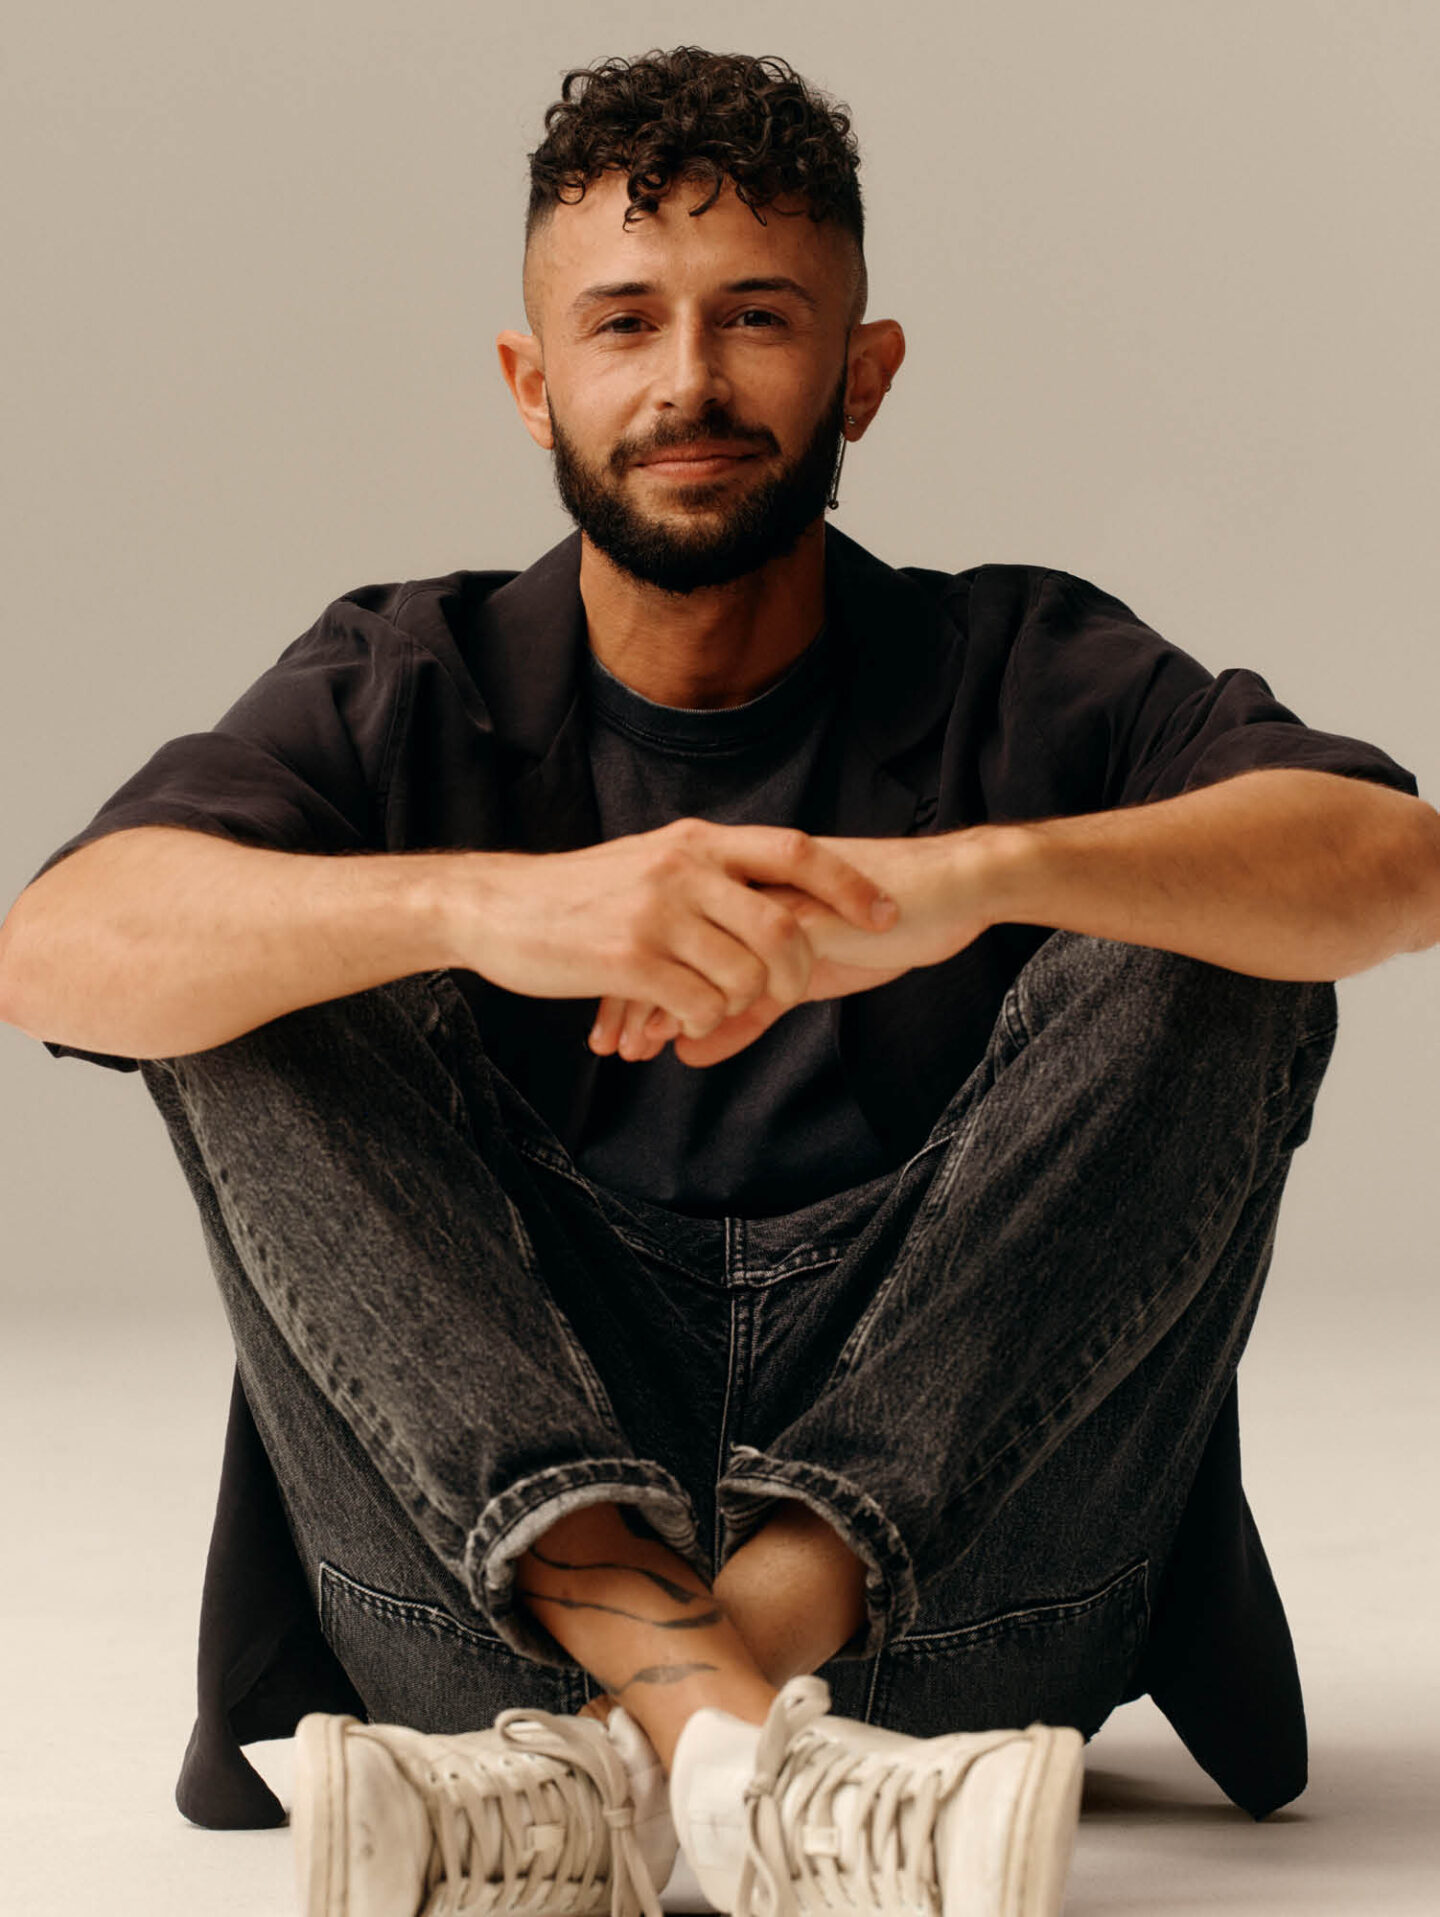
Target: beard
[[716, 546]]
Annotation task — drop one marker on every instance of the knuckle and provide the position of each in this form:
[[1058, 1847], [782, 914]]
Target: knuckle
[[705, 1012], [792, 844], [779, 925], [748, 980]]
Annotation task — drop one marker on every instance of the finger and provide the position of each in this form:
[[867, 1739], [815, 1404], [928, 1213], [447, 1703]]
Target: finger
[[788, 856], [648, 1027], [635, 1041], [660, 1030], [696, 1004], [773, 953], [605, 1032], [710, 947]]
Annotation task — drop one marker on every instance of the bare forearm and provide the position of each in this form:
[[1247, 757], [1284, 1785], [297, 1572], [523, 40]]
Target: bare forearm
[[156, 942], [1280, 874], [1283, 874]]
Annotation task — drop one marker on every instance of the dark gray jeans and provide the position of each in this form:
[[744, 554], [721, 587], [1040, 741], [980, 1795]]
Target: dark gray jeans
[[993, 1371]]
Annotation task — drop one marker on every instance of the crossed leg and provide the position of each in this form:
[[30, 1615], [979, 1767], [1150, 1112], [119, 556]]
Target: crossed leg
[[1133, 1102], [644, 1623]]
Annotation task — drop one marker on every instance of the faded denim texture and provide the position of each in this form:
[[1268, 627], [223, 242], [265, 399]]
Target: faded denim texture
[[994, 1370]]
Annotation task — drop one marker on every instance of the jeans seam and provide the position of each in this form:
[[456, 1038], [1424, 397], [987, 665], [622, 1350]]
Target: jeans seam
[[942, 1183], [760, 1276], [541, 1155], [939, 1643], [723, 1438], [336, 1584], [601, 1481], [642, 1246], [1012, 1017], [624, 1474], [597, 1397]]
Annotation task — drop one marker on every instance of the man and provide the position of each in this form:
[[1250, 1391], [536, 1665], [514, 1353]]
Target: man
[[765, 1154]]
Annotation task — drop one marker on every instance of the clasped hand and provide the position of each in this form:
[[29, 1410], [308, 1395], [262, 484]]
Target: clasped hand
[[702, 936]]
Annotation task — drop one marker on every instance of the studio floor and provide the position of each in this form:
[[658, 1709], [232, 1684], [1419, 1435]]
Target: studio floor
[[112, 1425]]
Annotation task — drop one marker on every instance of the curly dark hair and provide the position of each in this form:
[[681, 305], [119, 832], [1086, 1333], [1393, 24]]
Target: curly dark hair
[[692, 115]]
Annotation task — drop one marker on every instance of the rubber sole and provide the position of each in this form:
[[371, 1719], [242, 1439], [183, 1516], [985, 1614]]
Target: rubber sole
[[1043, 1833], [318, 1816]]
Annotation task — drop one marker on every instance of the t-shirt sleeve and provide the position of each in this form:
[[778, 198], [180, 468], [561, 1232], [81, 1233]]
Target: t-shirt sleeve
[[300, 763], [1128, 718]]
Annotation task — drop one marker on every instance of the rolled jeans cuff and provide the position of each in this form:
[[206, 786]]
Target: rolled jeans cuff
[[754, 1480], [525, 1510]]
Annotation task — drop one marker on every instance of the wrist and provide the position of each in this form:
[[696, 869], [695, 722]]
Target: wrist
[[451, 907], [1011, 868]]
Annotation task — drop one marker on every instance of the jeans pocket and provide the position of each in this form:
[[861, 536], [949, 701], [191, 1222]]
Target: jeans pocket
[[414, 1663], [1065, 1662]]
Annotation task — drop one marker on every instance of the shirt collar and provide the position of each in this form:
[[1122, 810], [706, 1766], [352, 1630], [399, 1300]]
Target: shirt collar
[[903, 652]]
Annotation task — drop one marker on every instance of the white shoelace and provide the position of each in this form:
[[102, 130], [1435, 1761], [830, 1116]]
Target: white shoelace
[[582, 1828], [885, 1837]]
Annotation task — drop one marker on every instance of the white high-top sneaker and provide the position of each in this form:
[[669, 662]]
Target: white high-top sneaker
[[558, 1816], [813, 1813]]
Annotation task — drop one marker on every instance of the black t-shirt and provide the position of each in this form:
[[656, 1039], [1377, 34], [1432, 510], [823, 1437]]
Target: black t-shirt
[[467, 711], [779, 1126]]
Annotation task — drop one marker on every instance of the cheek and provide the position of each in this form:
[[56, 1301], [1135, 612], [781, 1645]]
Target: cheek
[[794, 383], [594, 410], [794, 408], [581, 436]]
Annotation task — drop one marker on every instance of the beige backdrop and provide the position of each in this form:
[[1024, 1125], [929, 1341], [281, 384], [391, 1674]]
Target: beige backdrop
[[1169, 278]]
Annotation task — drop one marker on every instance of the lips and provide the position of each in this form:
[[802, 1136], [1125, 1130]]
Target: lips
[[700, 459]]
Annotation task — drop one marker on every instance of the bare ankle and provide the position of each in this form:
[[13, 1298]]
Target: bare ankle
[[795, 1592], [663, 1714], [642, 1621]]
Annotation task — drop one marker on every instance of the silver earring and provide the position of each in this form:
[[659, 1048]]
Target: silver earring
[[834, 500]]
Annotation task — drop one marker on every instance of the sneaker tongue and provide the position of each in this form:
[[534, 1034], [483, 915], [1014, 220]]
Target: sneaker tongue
[[637, 1753]]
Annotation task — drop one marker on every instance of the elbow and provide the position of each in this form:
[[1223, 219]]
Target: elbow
[[1389, 883], [32, 972], [12, 994], [1417, 866]]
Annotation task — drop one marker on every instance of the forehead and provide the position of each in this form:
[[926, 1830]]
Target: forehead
[[586, 243]]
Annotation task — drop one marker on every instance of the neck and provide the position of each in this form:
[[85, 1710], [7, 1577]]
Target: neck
[[719, 646]]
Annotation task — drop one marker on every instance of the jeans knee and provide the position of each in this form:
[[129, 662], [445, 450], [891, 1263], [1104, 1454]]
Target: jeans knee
[[1187, 1042], [1154, 991]]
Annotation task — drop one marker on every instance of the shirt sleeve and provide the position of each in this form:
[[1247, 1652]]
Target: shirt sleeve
[[1128, 718], [300, 763]]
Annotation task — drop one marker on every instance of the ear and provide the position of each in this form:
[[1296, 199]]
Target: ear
[[523, 364], [876, 351]]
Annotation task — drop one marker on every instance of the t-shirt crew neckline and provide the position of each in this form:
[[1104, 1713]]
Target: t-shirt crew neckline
[[703, 729]]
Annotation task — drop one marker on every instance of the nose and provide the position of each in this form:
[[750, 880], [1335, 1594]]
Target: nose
[[692, 375]]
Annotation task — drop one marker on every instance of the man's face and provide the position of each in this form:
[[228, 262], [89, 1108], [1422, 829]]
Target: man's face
[[694, 378]]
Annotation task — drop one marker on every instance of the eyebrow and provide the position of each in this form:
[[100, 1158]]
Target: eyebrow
[[643, 289]]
